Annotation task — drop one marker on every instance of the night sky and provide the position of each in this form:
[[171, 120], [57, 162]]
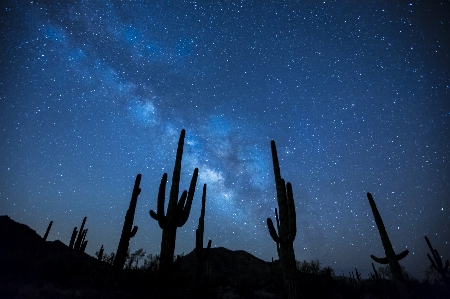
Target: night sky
[[356, 95]]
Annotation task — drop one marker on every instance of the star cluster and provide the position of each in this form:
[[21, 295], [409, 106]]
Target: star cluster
[[355, 95]]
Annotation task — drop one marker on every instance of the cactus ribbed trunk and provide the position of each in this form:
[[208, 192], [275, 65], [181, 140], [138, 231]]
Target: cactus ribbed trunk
[[167, 253], [127, 231]]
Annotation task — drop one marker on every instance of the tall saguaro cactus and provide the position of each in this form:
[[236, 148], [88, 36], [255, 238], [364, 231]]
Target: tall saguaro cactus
[[127, 231], [177, 210], [391, 258], [287, 228], [199, 250]]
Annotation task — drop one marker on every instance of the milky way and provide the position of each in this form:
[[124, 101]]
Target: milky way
[[356, 97]]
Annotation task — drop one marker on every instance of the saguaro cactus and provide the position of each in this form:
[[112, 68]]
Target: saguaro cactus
[[127, 231], [81, 235], [391, 258], [287, 228], [177, 211], [100, 254], [199, 250], [72, 238], [436, 263]]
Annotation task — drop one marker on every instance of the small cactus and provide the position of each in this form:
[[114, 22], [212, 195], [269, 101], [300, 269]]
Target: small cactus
[[81, 235], [376, 276], [100, 254], [72, 238], [358, 275], [436, 263]]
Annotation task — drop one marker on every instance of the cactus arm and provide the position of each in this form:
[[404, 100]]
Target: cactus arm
[[162, 219], [161, 197], [133, 232], [180, 207], [277, 219], [272, 231], [278, 228], [402, 255], [84, 236], [190, 197], [48, 230], [83, 246], [382, 260], [153, 215], [72, 238]]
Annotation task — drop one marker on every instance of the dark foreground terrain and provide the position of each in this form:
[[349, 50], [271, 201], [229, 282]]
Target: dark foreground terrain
[[32, 268]]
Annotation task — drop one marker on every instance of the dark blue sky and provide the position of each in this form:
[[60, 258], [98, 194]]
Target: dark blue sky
[[356, 96]]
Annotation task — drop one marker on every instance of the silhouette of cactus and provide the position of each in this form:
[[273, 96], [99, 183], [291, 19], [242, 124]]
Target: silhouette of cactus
[[436, 263], [83, 245], [391, 258], [81, 236], [177, 211], [287, 229], [199, 251], [358, 275], [100, 254], [376, 276], [127, 231], [72, 238], [48, 230]]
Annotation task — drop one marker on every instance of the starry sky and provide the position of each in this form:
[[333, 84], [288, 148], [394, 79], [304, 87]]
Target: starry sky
[[355, 94]]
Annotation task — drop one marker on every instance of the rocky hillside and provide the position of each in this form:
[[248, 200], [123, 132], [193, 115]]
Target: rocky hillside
[[32, 268]]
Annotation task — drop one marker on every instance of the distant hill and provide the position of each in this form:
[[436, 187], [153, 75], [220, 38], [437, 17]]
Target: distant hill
[[230, 267], [20, 246], [26, 259]]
